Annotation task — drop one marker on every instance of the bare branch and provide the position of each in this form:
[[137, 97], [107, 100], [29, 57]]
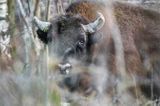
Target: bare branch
[[35, 12], [29, 8], [48, 9], [59, 5], [26, 37]]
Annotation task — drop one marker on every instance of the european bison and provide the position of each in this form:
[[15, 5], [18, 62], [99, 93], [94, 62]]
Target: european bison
[[84, 33]]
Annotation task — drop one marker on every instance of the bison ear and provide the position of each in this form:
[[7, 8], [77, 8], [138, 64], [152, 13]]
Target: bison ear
[[96, 25], [43, 28], [43, 36]]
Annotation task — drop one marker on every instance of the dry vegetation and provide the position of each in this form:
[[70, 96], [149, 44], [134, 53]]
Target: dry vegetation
[[26, 65]]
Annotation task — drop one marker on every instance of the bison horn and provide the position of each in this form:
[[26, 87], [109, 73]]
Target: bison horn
[[96, 25], [42, 25]]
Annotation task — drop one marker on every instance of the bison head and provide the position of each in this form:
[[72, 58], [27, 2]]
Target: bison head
[[71, 35]]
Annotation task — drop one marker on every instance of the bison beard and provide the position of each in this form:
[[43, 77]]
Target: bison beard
[[140, 32]]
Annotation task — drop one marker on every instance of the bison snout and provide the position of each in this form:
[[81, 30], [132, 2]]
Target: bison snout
[[65, 68]]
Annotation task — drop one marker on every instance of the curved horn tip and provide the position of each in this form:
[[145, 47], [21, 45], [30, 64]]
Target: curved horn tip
[[96, 25], [35, 18], [44, 26], [101, 16]]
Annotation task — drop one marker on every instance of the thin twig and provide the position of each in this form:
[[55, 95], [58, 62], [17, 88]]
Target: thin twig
[[29, 8], [36, 8], [26, 37], [59, 5], [48, 10]]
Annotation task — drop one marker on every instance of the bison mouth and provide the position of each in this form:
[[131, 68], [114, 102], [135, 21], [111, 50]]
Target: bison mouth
[[81, 82]]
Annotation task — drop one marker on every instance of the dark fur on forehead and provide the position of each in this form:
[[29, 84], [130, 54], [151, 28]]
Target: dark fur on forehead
[[72, 18], [69, 21]]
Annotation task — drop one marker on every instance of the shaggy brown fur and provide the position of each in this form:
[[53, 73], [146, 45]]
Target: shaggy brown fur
[[140, 31]]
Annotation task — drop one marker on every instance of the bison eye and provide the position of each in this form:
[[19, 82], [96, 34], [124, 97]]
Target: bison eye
[[81, 42], [80, 45]]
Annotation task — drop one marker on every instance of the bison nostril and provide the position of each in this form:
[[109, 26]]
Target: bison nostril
[[65, 68]]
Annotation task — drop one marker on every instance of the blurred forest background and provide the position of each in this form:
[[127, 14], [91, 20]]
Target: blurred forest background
[[22, 52], [19, 45]]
